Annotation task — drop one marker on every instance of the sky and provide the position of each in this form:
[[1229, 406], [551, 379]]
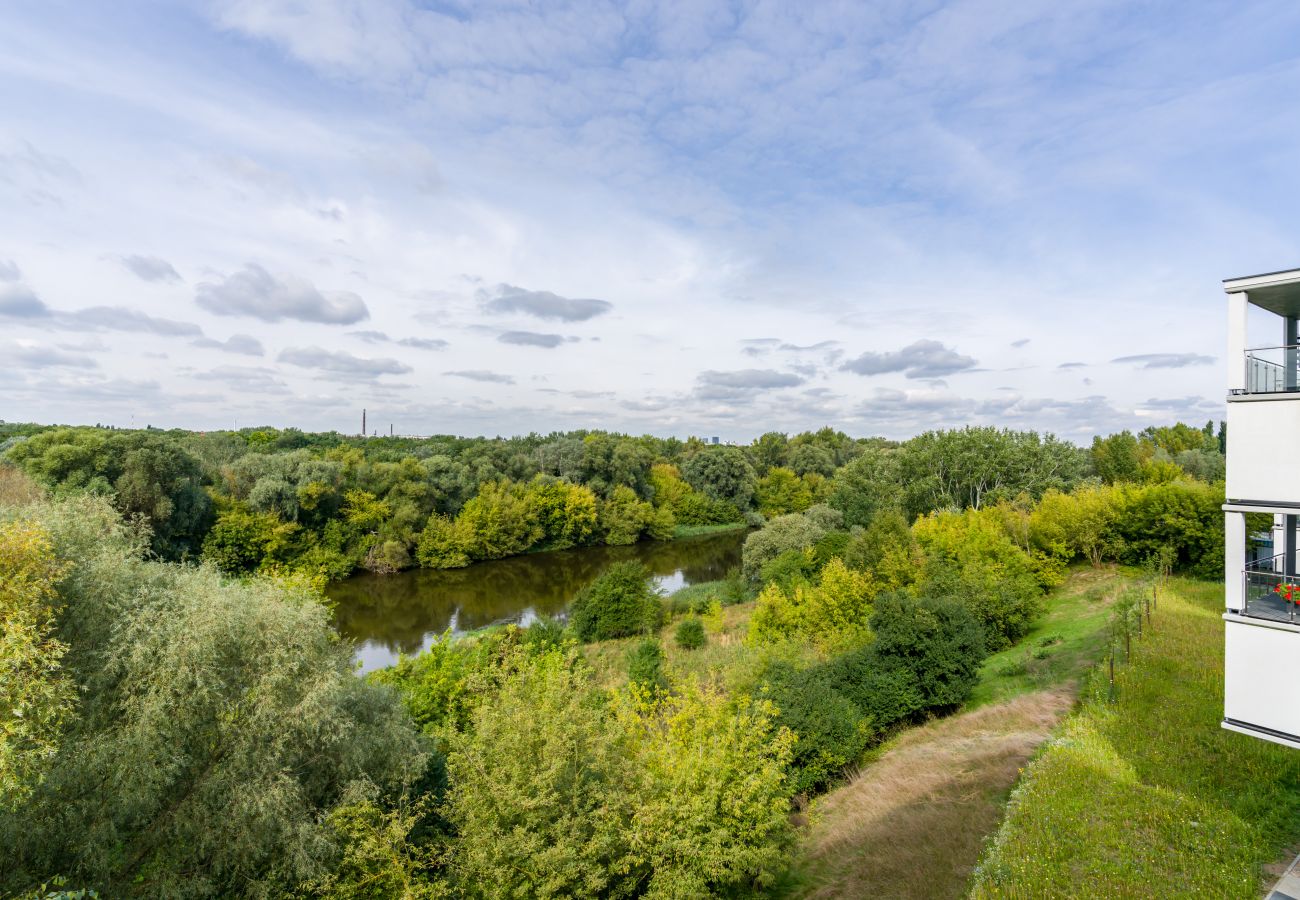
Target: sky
[[672, 218]]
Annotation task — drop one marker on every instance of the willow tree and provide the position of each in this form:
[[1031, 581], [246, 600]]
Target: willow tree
[[219, 724]]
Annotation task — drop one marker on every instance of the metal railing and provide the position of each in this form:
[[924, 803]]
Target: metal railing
[[1266, 589], [1273, 370]]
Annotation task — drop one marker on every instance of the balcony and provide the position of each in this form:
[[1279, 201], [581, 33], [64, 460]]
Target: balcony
[[1272, 370], [1266, 587]]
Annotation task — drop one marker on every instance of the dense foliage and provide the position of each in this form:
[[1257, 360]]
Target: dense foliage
[[216, 725]]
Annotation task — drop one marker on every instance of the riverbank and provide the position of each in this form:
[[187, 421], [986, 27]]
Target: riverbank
[[391, 615]]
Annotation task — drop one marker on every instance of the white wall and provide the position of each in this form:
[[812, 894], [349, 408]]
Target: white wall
[[1263, 449], [1237, 318], [1261, 677]]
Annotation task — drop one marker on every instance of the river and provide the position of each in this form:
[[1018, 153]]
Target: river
[[388, 615]]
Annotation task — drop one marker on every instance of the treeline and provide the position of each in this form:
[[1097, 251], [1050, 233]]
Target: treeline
[[328, 504]]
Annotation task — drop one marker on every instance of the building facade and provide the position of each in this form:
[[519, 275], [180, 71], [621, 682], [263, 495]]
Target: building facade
[[1261, 585]]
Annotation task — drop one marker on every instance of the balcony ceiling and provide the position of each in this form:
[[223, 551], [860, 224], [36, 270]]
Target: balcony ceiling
[[1277, 292]]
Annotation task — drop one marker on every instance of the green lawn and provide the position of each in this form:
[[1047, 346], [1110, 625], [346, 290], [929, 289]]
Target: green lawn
[[1147, 796]]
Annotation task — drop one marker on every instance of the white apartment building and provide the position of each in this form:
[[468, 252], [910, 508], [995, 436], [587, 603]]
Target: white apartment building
[[1262, 649]]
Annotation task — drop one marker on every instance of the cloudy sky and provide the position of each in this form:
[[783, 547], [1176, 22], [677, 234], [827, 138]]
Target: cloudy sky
[[676, 218]]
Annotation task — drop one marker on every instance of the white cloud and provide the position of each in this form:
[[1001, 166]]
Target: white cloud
[[256, 293]]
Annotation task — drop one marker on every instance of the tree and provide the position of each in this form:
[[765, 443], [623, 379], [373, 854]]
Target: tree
[[500, 521], [867, 486], [1116, 458], [36, 694], [722, 473], [970, 467], [539, 793], [782, 491], [926, 655], [443, 544], [567, 512], [219, 722], [796, 531], [624, 518], [617, 604], [769, 451]]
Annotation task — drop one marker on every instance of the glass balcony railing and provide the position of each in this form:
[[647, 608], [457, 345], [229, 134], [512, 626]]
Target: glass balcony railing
[[1270, 592], [1273, 370]]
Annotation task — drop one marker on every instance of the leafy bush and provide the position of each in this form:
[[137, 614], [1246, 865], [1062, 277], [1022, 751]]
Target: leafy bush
[[926, 655], [443, 544], [832, 614], [36, 694], [645, 664], [970, 558], [556, 793], [617, 604], [832, 731], [690, 633], [797, 531]]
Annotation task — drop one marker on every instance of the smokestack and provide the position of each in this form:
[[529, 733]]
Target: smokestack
[[363, 423]]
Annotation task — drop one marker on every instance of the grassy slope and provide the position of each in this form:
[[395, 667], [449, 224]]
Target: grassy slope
[[685, 531], [1147, 796], [913, 823]]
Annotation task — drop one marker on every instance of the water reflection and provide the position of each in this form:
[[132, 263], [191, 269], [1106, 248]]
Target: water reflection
[[404, 613]]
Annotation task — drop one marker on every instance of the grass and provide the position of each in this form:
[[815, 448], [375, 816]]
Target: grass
[[685, 531], [913, 822], [1146, 795], [1063, 644]]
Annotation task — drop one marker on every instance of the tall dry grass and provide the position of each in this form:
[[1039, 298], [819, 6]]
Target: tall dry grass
[[913, 823], [16, 488]]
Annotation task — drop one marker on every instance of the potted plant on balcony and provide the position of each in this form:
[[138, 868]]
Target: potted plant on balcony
[[1290, 593]]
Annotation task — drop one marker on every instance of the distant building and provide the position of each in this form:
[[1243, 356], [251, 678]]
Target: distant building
[[1261, 585], [714, 440]]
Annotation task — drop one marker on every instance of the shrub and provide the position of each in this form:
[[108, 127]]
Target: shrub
[[797, 531], [36, 694], [555, 793], [443, 544], [645, 663], [832, 731], [831, 614], [387, 557], [690, 633], [617, 604], [971, 559], [926, 655], [624, 518]]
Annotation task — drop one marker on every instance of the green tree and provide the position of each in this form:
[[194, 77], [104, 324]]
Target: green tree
[[218, 724], [623, 518], [867, 486], [722, 473], [971, 467], [1116, 458], [539, 793], [500, 521], [617, 604], [443, 544], [36, 695], [782, 491]]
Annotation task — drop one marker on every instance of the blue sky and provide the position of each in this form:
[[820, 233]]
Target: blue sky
[[658, 217]]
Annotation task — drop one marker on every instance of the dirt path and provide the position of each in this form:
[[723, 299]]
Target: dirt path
[[913, 824]]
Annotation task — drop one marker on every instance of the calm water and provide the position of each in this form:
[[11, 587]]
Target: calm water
[[391, 614]]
